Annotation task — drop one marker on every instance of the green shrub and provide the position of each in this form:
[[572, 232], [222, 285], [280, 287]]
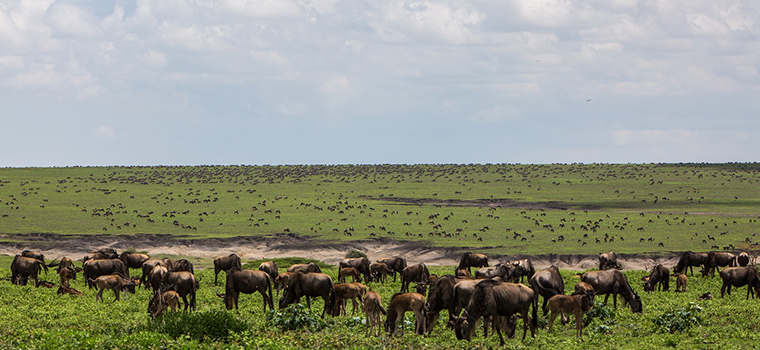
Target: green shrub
[[296, 316], [678, 320], [605, 314], [215, 325], [355, 254]]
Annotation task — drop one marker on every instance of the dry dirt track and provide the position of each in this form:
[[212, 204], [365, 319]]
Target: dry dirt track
[[252, 248]]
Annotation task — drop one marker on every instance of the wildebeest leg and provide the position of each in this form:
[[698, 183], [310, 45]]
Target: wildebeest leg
[[579, 324], [308, 302], [501, 337], [184, 300], [99, 295], [116, 293]]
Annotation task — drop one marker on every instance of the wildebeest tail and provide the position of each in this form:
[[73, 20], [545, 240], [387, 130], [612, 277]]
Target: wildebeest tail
[[534, 321], [271, 297]]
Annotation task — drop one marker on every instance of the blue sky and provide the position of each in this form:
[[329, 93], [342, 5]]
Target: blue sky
[[179, 82]]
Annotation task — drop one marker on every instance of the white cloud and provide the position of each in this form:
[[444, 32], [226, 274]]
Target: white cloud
[[71, 21], [154, 59], [105, 132]]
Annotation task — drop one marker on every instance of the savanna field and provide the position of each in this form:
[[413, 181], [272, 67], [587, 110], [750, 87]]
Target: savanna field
[[496, 209]]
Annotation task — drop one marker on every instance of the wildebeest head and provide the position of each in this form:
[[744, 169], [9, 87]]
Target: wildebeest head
[[463, 327], [636, 305]]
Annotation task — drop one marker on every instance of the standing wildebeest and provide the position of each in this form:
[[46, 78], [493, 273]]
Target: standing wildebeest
[[739, 277], [117, 283], [148, 266], [349, 272], [184, 283], [397, 263], [660, 277], [547, 283], [360, 264], [680, 282], [281, 282], [133, 260], [23, 268], [380, 271], [304, 268], [373, 307], [715, 260], [742, 259], [523, 268], [494, 298], [247, 281], [499, 270], [34, 254], [689, 260], [182, 265], [576, 304], [270, 268], [315, 284], [613, 282], [440, 297], [102, 253], [95, 268], [415, 273], [65, 263], [156, 276], [608, 261], [225, 263], [161, 302], [345, 291], [400, 304], [470, 259]]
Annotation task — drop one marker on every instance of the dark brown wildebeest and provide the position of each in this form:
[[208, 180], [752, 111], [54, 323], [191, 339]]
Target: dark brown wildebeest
[[34, 254], [608, 261], [400, 304], [494, 298], [247, 281], [270, 268], [705, 296], [65, 275], [415, 273], [462, 273], [95, 268], [23, 268], [349, 272], [576, 304], [689, 260], [523, 268], [547, 283], [397, 263], [304, 268], [148, 266], [381, 271], [613, 282], [117, 283], [583, 287], [68, 290], [471, 259], [102, 253], [133, 260], [680, 282], [660, 278], [281, 282], [739, 277], [373, 308], [156, 276], [225, 263], [66, 263], [440, 297], [314, 284], [160, 302], [715, 260], [184, 283], [345, 291], [499, 270], [182, 265], [742, 259], [360, 264]]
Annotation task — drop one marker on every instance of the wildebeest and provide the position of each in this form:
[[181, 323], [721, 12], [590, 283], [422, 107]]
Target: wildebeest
[[102, 253], [225, 263], [689, 260], [313, 284], [34, 254], [739, 277], [281, 282], [470, 259], [680, 282], [660, 278], [494, 298], [415, 273], [270, 267], [117, 283], [522, 268], [148, 266], [247, 281], [345, 291], [400, 304], [440, 297], [613, 282], [608, 261], [547, 283], [160, 302], [94, 268], [360, 264], [184, 283], [133, 260], [182, 265], [23, 268], [65, 275], [68, 290], [499, 270], [349, 272], [715, 260], [156, 276], [397, 263], [373, 308], [577, 304], [304, 268], [381, 271]]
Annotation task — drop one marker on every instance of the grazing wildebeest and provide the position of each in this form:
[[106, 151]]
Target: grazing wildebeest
[[415, 273], [281, 282], [148, 266], [576, 304], [381, 271], [102, 253], [345, 291], [304, 268], [715, 260], [360, 264], [471, 259], [225, 263], [184, 283], [314, 284], [680, 282], [156, 276], [182, 265], [742, 259], [613, 282], [373, 308], [397, 263], [23, 268], [349, 272], [247, 281], [499, 270], [547, 283], [270, 267], [440, 297], [400, 304], [739, 277], [161, 302], [494, 298], [660, 278], [523, 268], [133, 260], [95, 268], [34, 254], [117, 283], [583, 287], [608, 261], [689, 260]]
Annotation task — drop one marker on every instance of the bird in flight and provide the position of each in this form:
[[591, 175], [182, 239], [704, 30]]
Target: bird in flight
[[589, 100]]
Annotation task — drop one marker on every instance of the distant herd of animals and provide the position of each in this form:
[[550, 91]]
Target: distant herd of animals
[[497, 294]]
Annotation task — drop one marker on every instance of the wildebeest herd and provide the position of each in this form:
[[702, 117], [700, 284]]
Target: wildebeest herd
[[496, 295]]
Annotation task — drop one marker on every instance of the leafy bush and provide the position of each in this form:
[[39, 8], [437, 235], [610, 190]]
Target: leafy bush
[[678, 320], [606, 314], [296, 316], [355, 254], [215, 325]]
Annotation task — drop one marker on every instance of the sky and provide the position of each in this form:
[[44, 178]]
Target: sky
[[226, 82]]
